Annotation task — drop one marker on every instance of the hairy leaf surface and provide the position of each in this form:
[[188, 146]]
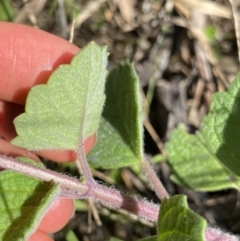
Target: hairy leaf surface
[[23, 202], [194, 166], [177, 222], [120, 138], [66, 110], [221, 127]]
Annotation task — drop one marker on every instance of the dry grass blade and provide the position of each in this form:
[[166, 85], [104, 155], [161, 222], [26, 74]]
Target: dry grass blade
[[206, 7], [94, 212], [202, 47], [72, 31], [30, 11], [89, 10], [155, 137]]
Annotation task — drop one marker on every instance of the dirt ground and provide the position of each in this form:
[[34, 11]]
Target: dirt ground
[[183, 51]]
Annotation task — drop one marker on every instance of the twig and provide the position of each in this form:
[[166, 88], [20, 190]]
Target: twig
[[206, 7], [94, 212]]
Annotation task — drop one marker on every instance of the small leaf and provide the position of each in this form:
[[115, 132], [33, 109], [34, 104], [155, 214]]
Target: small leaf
[[66, 110], [23, 202], [120, 137], [177, 222], [194, 166], [221, 128]]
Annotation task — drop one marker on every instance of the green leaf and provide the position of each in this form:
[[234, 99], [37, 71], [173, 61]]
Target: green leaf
[[6, 10], [194, 166], [71, 236], [23, 202], [120, 137], [81, 206], [221, 128], [177, 222], [66, 110]]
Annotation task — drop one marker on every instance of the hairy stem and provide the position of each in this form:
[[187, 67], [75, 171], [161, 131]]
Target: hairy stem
[[74, 189], [84, 165], [212, 234], [154, 180], [126, 202]]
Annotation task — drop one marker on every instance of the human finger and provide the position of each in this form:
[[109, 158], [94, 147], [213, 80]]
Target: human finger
[[57, 216], [39, 236], [28, 57]]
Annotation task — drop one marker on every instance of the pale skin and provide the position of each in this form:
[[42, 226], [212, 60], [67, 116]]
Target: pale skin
[[28, 57]]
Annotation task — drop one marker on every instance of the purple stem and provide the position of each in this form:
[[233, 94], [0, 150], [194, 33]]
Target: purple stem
[[74, 189], [212, 234], [142, 208]]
